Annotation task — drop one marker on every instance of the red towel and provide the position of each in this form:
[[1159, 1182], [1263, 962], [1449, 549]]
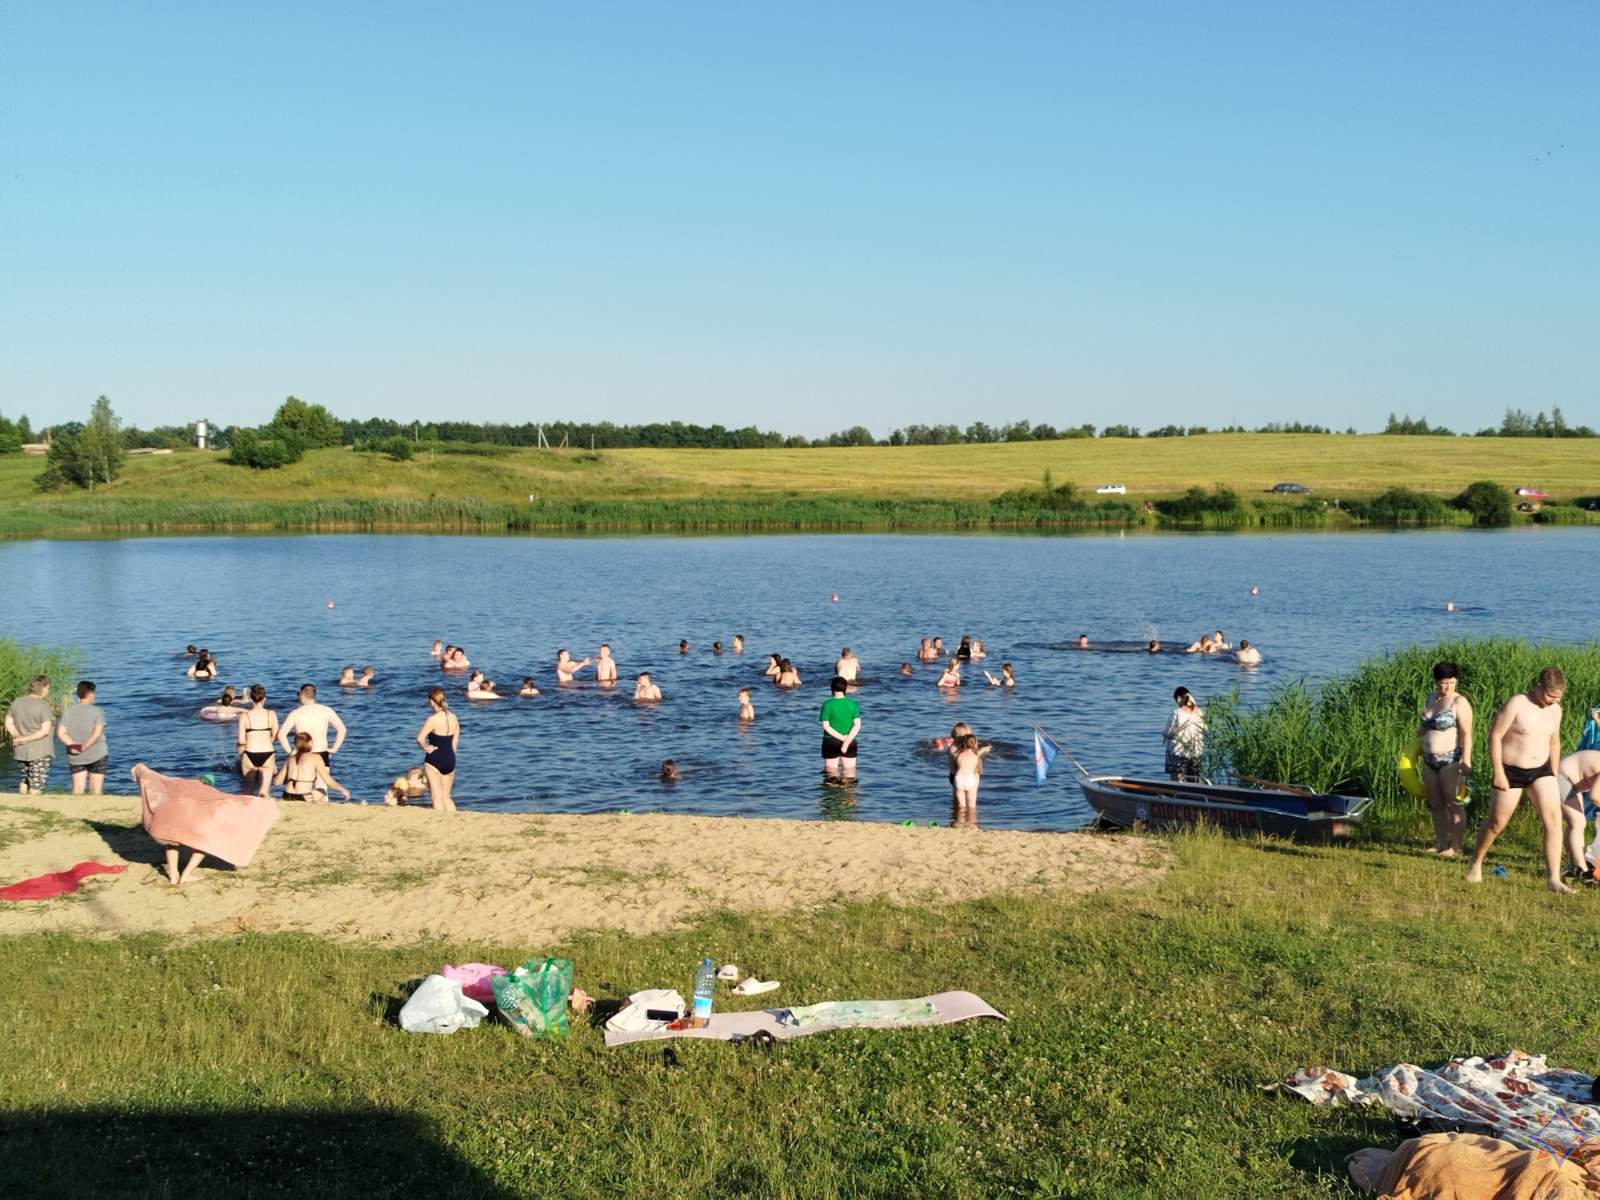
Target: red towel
[[57, 883]]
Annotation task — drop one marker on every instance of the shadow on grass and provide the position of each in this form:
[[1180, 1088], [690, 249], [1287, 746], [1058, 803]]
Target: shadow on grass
[[332, 1152], [133, 845]]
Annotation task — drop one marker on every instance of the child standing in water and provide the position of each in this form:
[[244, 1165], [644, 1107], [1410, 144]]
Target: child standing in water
[[747, 711], [966, 762]]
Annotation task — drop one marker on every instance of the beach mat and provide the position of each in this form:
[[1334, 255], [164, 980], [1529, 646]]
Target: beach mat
[[943, 1008], [57, 883]]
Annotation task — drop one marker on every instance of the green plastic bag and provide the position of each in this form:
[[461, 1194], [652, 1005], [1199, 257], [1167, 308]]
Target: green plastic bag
[[533, 997]]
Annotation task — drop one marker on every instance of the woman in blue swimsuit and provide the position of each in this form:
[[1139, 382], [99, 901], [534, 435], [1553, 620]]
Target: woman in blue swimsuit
[[1446, 728], [438, 737]]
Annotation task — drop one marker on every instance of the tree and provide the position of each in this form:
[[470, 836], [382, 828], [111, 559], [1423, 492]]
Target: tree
[[310, 425], [1488, 502], [10, 439], [100, 450], [24, 430], [978, 431], [262, 449]]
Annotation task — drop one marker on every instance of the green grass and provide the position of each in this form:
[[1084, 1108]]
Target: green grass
[[19, 663], [913, 487], [1142, 1027], [1345, 735]]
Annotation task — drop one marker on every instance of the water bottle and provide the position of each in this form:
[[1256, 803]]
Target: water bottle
[[705, 985]]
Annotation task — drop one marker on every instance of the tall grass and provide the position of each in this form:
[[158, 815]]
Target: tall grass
[[1345, 735], [20, 663]]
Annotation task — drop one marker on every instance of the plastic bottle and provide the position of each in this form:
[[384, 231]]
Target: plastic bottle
[[705, 986]]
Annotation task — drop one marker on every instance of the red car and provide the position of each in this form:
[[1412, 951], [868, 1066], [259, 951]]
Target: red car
[[1531, 492]]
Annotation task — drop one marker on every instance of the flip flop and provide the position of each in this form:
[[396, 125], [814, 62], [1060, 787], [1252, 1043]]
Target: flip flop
[[754, 987], [729, 972]]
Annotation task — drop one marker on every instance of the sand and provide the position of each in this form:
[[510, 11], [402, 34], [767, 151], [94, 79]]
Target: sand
[[375, 874]]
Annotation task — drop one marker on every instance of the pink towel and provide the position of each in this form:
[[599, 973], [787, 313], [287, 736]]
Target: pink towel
[[186, 812], [57, 883], [474, 979]]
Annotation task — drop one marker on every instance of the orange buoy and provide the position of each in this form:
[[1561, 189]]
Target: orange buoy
[[330, 603], [836, 597], [1254, 590]]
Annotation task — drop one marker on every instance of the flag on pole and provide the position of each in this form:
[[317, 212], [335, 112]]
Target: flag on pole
[[1044, 754]]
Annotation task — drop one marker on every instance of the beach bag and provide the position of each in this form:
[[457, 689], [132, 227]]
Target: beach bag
[[1589, 739], [533, 998], [437, 1006]]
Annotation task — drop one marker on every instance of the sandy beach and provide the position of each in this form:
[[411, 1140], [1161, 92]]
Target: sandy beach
[[369, 873]]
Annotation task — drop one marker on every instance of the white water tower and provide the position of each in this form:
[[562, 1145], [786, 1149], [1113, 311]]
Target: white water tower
[[200, 435]]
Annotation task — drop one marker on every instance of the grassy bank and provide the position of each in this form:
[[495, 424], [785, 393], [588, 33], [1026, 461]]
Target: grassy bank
[[914, 487], [1141, 1027], [20, 663], [1344, 736]]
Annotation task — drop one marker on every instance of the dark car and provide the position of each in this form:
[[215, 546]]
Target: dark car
[[1299, 489]]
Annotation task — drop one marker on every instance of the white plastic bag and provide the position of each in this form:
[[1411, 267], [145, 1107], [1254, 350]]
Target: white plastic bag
[[437, 1006]]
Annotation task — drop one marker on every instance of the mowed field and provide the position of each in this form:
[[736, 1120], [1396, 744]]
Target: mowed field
[[1336, 465]]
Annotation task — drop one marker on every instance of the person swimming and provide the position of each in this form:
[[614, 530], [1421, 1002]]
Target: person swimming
[[189, 651], [566, 668], [950, 677], [482, 689], [1083, 641], [747, 711], [527, 688], [438, 649], [347, 677], [1007, 677], [456, 660], [716, 647], [964, 649], [925, 651], [774, 665], [738, 643], [203, 667], [643, 689], [977, 649], [669, 771], [605, 667], [905, 668], [683, 646], [1154, 647], [848, 666], [788, 676], [367, 674], [1246, 655], [406, 787]]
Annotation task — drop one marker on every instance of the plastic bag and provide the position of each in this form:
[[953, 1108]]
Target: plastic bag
[[474, 979], [437, 1006], [533, 998]]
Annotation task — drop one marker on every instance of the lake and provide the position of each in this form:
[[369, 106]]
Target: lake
[[260, 604]]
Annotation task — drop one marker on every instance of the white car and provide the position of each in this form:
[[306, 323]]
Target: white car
[[1111, 489]]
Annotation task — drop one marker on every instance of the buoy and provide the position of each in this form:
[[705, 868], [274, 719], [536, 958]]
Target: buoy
[[836, 597], [208, 779], [1254, 590], [330, 603], [1449, 606]]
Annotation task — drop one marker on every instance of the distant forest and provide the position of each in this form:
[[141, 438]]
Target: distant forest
[[605, 435]]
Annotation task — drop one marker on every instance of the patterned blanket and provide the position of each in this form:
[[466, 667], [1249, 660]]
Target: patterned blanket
[[1525, 1101]]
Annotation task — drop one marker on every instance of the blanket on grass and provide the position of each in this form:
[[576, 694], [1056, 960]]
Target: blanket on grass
[[57, 883], [186, 812], [783, 1023], [1526, 1102]]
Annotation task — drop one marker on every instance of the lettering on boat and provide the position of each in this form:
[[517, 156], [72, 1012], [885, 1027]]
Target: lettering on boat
[[1163, 810]]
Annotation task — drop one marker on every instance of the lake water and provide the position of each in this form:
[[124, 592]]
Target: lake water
[[260, 605]]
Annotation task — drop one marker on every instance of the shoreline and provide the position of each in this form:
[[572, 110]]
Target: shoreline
[[404, 875]]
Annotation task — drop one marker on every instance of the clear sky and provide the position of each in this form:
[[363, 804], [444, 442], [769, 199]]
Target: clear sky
[[801, 216]]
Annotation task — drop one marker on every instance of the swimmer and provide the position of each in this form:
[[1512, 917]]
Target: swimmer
[[605, 667], [977, 648], [1154, 647], [566, 668], [774, 665], [475, 679], [738, 643], [527, 688], [482, 689], [1254, 590], [1007, 677], [938, 647], [347, 677], [438, 649], [964, 649], [905, 668], [1205, 645], [189, 651], [849, 666], [257, 728], [1246, 655], [456, 660], [229, 697], [203, 667], [643, 689], [1083, 641], [367, 674], [716, 647], [788, 676], [950, 677], [683, 646], [669, 771], [1449, 606], [747, 711], [405, 787]]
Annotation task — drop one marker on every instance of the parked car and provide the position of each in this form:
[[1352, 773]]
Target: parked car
[[1532, 492], [1112, 489], [1298, 489]]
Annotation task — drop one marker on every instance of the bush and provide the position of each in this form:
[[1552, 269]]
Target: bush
[[1488, 502], [1196, 503], [397, 448], [1400, 506], [310, 426], [263, 450]]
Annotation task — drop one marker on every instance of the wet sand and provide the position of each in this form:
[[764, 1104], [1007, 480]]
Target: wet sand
[[375, 874]]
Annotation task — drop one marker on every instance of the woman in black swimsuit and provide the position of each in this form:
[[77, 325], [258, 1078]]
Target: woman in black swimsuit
[[203, 667], [304, 776], [258, 733], [438, 737]]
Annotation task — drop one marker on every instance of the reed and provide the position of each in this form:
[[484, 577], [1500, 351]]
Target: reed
[[1345, 736], [20, 663]]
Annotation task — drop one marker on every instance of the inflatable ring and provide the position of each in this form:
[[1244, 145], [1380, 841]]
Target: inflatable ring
[[1408, 762], [219, 712]]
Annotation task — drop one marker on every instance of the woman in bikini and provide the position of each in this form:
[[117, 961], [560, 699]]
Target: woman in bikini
[[950, 677], [774, 665], [439, 736], [203, 667], [788, 677], [1446, 729], [258, 733], [304, 776]]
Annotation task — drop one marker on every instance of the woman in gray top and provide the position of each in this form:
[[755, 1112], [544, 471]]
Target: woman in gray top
[[82, 729], [28, 722]]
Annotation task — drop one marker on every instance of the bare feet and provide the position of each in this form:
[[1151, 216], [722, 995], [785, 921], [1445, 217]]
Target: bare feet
[[1474, 873], [1555, 885], [1447, 854]]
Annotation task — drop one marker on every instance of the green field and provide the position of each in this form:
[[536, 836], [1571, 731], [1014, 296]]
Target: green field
[[927, 487], [1143, 1026]]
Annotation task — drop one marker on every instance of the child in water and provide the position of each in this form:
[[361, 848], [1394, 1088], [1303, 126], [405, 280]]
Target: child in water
[[966, 769], [747, 711], [406, 787], [527, 688], [669, 771], [1007, 678], [366, 677], [950, 677]]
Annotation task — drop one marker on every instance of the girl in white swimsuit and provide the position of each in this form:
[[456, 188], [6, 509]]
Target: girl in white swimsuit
[[966, 761]]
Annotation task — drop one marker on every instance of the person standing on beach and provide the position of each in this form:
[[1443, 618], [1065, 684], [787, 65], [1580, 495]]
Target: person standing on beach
[[29, 724], [315, 719], [605, 667], [841, 723], [848, 666], [1184, 736], [1524, 749], [439, 736], [258, 726], [1445, 728], [82, 730]]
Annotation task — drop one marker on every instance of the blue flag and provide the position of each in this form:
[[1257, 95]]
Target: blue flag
[[1044, 754]]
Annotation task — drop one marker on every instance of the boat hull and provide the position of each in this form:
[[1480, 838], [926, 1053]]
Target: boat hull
[[1162, 804]]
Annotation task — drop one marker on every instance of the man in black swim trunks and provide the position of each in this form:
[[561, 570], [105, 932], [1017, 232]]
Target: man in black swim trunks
[[841, 722], [1524, 748]]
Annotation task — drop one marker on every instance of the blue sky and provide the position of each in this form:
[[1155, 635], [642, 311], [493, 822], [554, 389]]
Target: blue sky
[[801, 216]]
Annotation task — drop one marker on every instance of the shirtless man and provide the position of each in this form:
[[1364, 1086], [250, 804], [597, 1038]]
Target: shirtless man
[[1577, 777], [738, 643], [605, 667], [314, 719], [566, 668], [1524, 748], [1247, 655], [848, 666], [643, 689]]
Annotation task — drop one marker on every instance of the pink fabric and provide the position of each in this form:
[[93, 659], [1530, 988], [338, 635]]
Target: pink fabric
[[186, 812], [474, 979], [57, 883]]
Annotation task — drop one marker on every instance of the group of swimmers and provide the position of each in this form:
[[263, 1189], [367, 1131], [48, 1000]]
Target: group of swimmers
[[1214, 642]]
